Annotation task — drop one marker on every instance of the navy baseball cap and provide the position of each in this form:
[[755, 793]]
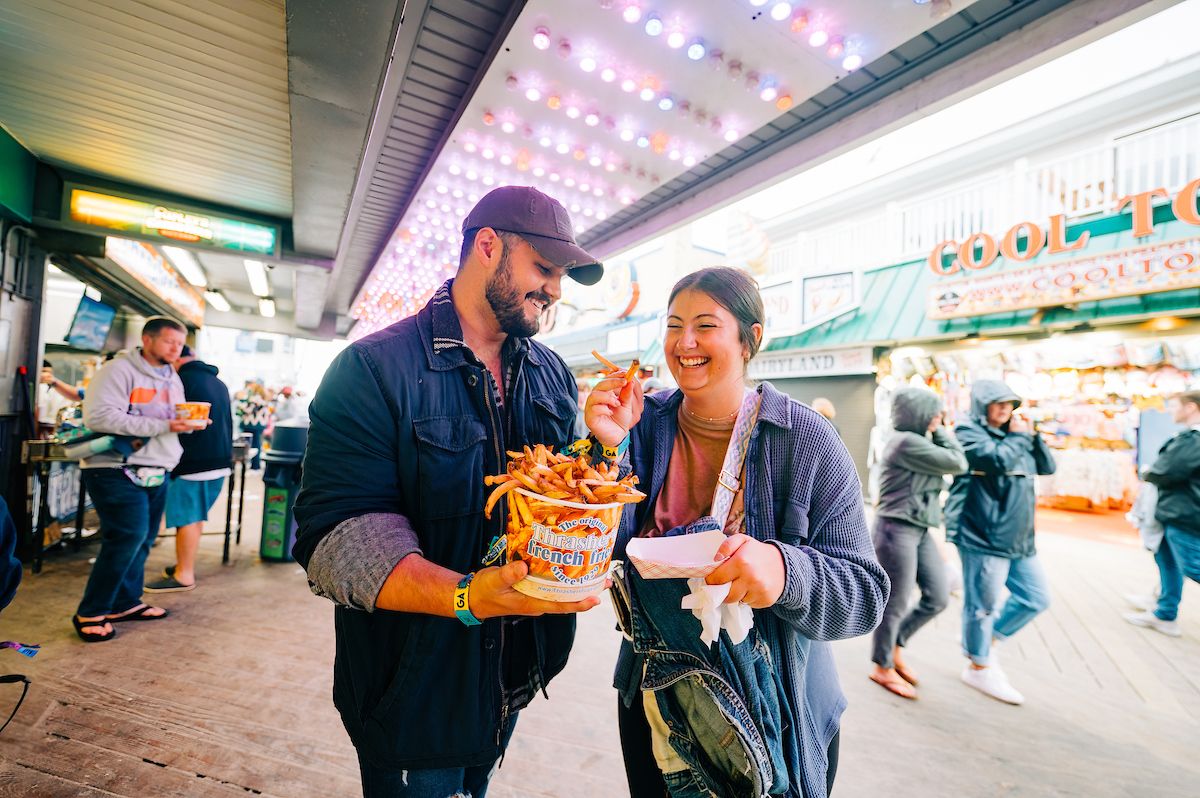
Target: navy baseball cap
[[542, 221]]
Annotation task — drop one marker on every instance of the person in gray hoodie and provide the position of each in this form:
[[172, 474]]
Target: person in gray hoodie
[[134, 395], [989, 517], [915, 463]]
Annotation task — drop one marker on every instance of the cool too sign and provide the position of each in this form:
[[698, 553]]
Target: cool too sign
[[981, 249]]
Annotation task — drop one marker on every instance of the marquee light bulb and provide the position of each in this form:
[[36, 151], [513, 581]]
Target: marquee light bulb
[[818, 38], [676, 39], [532, 94], [781, 11], [696, 50], [587, 64], [632, 13], [852, 62], [541, 38], [654, 25], [608, 74]]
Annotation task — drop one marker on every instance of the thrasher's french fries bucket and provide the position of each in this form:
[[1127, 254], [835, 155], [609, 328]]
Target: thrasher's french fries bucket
[[568, 545]]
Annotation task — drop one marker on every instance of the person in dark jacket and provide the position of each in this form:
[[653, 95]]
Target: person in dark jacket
[[435, 653], [196, 482], [797, 547], [1176, 474], [990, 517], [919, 456]]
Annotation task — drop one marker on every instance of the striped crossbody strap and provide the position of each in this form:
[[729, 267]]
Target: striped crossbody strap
[[728, 480]]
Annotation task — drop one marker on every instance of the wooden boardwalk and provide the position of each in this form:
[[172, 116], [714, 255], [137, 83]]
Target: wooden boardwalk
[[230, 696]]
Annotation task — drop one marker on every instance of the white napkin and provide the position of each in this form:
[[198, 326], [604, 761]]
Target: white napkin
[[691, 557]]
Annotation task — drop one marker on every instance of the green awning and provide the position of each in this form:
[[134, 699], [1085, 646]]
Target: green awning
[[894, 297]]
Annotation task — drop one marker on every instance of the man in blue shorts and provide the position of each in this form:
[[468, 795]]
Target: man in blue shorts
[[196, 482]]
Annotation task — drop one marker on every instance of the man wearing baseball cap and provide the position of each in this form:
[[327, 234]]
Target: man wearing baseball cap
[[436, 652]]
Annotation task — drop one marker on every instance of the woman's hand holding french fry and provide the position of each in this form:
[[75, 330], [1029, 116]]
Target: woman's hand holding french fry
[[615, 404]]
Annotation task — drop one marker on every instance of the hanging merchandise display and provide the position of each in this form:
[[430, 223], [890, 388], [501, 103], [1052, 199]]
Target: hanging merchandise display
[[1084, 393]]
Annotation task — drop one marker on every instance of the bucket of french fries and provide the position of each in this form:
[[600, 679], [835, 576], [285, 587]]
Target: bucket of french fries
[[563, 516]]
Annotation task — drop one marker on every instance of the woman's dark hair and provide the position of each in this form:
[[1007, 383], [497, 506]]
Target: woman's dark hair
[[733, 290]]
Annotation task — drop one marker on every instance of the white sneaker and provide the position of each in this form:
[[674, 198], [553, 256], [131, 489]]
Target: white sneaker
[[992, 682], [1141, 601], [1149, 620]]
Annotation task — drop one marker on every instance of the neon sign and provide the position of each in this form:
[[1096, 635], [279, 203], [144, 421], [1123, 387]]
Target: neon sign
[[159, 222]]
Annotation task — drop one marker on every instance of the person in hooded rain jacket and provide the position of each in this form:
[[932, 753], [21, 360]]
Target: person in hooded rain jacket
[[989, 516], [919, 456]]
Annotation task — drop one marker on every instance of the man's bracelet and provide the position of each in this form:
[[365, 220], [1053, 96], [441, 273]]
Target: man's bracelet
[[462, 601]]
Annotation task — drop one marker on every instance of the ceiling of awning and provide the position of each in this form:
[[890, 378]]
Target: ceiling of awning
[[188, 98], [624, 108]]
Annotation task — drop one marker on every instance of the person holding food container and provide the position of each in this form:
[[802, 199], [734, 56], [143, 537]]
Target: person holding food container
[[436, 650], [797, 548], [134, 395]]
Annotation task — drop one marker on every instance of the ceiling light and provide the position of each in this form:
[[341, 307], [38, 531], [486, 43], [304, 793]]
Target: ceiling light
[[731, 136], [541, 38], [852, 62], [643, 141], [818, 38], [666, 103], [572, 112], [768, 90], [507, 127], [217, 300], [781, 11], [784, 102], [626, 134], [532, 94], [654, 25], [587, 64], [628, 84], [676, 39], [647, 94], [689, 160], [696, 50], [592, 119], [799, 22], [489, 118], [758, 3], [836, 48], [266, 308], [554, 102], [256, 273], [608, 74], [564, 48], [632, 13], [186, 263]]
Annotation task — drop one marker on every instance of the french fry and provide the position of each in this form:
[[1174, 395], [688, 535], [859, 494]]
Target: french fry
[[608, 364]]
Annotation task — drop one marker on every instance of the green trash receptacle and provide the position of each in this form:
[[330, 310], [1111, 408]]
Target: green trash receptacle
[[281, 483]]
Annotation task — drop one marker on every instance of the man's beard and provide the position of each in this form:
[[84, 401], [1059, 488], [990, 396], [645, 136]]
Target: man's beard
[[508, 304]]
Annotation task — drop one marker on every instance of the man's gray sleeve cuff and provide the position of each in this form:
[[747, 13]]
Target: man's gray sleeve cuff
[[351, 563]]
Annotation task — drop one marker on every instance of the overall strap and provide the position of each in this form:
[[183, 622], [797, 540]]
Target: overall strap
[[739, 443]]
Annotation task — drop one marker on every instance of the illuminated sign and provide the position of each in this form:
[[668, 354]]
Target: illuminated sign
[[1141, 270], [152, 271], [981, 250], [812, 363], [161, 222]]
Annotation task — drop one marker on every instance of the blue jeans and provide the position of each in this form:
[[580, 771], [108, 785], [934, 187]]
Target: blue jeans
[[129, 521], [469, 782], [1178, 556], [984, 576]]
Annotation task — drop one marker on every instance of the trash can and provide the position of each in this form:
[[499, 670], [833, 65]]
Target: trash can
[[281, 481]]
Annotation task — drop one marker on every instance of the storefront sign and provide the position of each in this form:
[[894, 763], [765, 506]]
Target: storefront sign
[[157, 276], [981, 250], [825, 296], [1142, 270], [812, 363], [160, 222], [782, 310]]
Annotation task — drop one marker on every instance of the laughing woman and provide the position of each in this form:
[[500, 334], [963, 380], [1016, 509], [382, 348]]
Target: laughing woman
[[798, 550]]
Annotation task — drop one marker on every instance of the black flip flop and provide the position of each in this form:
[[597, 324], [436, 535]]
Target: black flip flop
[[139, 614], [92, 637]]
